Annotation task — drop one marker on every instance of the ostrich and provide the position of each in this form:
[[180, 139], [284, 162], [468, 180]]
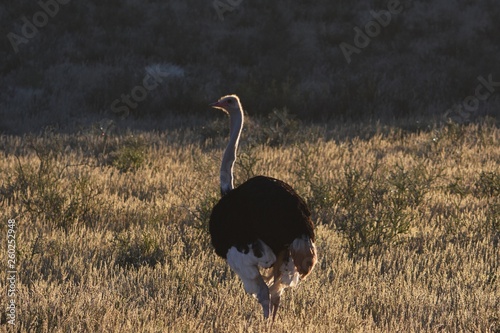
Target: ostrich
[[262, 225]]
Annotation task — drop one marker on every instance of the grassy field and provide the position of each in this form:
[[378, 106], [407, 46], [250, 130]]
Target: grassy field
[[111, 228]]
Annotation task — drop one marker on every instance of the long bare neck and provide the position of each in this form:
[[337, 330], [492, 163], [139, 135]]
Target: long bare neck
[[226, 169]]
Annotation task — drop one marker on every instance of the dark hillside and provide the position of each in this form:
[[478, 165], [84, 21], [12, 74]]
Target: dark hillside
[[71, 63]]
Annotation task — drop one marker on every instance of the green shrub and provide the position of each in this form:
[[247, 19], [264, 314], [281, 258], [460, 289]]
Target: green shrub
[[51, 192], [488, 184], [137, 251], [131, 156], [369, 210]]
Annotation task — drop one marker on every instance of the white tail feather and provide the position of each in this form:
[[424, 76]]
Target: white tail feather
[[303, 252]]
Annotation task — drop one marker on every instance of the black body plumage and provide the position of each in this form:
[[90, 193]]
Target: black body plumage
[[261, 208]]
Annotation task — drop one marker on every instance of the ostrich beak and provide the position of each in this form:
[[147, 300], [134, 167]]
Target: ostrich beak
[[215, 105]]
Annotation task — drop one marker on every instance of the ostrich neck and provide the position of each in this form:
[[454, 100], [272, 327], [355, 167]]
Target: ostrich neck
[[226, 169]]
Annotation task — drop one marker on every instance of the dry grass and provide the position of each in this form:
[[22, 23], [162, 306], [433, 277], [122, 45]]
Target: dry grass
[[112, 230]]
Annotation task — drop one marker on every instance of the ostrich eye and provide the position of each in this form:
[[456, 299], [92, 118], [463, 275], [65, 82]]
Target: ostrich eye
[[229, 101]]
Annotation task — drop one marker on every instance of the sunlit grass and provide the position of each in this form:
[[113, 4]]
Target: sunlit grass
[[112, 230]]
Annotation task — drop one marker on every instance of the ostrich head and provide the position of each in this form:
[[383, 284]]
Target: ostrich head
[[229, 104]]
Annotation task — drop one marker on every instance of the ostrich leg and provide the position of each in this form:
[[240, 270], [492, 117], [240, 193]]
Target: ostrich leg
[[276, 288], [246, 266], [263, 297]]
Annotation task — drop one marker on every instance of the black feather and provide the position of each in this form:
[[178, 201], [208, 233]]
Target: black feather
[[261, 208]]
